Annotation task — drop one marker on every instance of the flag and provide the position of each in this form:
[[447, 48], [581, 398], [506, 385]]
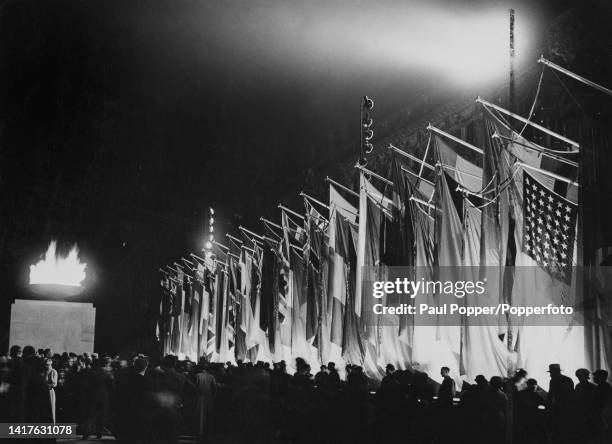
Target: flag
[[549, 227], [353, 350], [216, 288], [399, 238], [186, 316], [483, 351], [299, 344], [534, 283], [203, 275], [255, 338], [448, 258], [267, 321], [340, 209], [464, 172], [193, 329]]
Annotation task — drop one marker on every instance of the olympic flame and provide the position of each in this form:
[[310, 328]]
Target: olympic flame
[[53, 269]]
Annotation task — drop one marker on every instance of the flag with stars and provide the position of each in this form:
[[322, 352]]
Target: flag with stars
[[549, 228]]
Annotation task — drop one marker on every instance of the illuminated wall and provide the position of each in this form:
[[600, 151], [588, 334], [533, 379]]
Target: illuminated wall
[[58, 325]]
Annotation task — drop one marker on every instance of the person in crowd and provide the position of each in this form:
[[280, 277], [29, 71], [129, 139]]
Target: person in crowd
[[170, 388], [447, 389], [561, 401], [35, 391], [206, 387], [495, 412], [472, 403], [334, 377], [132, 403], [529, 418], [322, 377], [389, 390], [50, 375], [583, 395], [5, 386], [602, 406], [101, 388]]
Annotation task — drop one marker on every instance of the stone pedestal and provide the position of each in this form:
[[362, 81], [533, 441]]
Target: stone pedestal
[[59, 325]]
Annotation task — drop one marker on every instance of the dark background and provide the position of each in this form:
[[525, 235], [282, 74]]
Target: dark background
[[121, 122]]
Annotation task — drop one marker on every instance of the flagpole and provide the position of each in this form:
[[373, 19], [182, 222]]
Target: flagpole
[[453, 138], [406, 170], [411, 157], [263, 219], [241, 228], [218, 244], [235, 239], [302, 194], [372, 173], [198, 257], [187, 261], [416, 199], [282, 207], [339, 185], [548, 173], [528, 122], [574, 75], [431, 167], [537, 148]]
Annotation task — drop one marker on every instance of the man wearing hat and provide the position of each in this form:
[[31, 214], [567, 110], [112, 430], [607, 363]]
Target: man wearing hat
[[561, 401]]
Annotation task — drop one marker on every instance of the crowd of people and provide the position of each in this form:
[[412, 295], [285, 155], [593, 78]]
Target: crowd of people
[[155, 400]]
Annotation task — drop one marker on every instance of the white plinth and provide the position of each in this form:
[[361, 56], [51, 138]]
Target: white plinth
[[58, 325]]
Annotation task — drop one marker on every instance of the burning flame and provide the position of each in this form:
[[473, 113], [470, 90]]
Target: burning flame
[[57, 270]]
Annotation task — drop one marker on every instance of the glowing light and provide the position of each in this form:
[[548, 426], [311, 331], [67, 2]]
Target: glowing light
[[209, 245], [57, 270], [464, 44]]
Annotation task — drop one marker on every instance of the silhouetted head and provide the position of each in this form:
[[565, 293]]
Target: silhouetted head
[[520, 375], [496, 383], [532, 384], [583, 374], [15, 352], [481, 380], [600, 376], [140, 365], [28, 351], [554, 370], [169, 361], [444, 371]]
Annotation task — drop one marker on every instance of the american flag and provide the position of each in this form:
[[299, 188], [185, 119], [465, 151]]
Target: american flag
[[549, 228]]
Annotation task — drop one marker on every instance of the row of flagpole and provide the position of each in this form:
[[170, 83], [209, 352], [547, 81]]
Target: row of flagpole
[[184, 273]]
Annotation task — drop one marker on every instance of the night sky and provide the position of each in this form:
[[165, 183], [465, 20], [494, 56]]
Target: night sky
[[121, 122]]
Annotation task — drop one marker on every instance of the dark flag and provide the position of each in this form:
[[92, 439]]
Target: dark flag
[[266, 315]]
